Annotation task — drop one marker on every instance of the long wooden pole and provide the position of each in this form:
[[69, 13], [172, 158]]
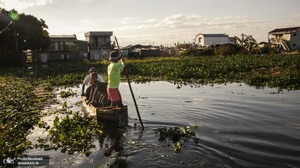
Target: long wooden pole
[[128, 80]]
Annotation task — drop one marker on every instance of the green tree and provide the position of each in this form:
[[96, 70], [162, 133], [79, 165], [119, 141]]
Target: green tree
[[6, 30], [32, 33], [20, 32]]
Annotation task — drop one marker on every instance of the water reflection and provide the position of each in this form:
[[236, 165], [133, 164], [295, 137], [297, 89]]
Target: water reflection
[[111, 140]]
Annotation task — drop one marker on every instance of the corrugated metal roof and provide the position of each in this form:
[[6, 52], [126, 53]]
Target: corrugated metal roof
[[215, 35], [289, 29], [63, 36], [137, 46], [98, 33]]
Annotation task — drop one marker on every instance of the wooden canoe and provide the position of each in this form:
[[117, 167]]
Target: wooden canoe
[[107, 115]]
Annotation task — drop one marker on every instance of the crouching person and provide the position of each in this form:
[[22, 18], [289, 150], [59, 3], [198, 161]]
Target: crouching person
[[87, 82], [97, 96]]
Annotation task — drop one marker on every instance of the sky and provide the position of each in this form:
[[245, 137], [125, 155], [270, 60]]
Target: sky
[[161, 22]]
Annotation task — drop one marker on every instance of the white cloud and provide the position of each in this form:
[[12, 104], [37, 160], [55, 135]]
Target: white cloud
[[136, 21], [183, 28], [22, 4]]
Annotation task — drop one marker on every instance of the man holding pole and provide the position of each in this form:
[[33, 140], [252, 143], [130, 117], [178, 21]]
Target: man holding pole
[[126, 73], [114, 78]]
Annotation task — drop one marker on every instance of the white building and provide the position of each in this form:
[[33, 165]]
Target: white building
[[212, 39]]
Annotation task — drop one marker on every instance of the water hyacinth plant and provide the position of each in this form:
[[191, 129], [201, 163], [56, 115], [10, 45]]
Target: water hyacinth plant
[[76, 133], [264, 70], [175, 134], [18, 115]]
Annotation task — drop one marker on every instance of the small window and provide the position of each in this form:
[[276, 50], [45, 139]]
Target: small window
[[294, 34], [200, 40], [294, 45]]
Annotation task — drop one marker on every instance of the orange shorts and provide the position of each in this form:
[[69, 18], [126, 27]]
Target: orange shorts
[[114, 94]]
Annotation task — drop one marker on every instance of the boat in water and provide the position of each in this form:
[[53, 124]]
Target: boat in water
[[112, 116]]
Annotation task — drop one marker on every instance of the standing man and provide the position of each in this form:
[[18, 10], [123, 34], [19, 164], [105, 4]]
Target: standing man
[[114, 78]]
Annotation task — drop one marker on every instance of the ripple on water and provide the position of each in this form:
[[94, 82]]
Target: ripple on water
[[239, 126]]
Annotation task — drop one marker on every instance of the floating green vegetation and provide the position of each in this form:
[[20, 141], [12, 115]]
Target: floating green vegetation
[[18, 115], [281, 71], [66, 94], [176, 134], [72, 134]]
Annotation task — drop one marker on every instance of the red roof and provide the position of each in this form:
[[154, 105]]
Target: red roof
[[284, 29]]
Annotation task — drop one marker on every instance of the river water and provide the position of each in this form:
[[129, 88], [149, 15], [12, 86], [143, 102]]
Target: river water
[[237, 126]]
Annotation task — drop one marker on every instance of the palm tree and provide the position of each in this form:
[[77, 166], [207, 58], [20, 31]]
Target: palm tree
[[248, 43]]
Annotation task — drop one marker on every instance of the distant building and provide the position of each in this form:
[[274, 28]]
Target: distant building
[[62, 47], [263, 44], [99, 44], [212, 39], [285, 38], [62, 42], [138, 50]]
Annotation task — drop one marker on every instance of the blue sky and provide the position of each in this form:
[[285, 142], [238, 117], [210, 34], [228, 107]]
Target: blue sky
[[161, 22]]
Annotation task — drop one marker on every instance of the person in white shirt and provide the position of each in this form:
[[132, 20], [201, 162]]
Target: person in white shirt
[[87, 81]]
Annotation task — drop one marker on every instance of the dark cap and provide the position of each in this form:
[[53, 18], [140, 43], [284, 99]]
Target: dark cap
[[114, 55], [93, 69]]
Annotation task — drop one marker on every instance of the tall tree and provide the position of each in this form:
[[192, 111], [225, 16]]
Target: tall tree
[[20, 32], [6, 29], [32, 33]]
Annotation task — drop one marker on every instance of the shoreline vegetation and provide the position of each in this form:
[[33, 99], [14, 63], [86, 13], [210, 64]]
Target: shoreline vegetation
[[281, 71], [20, 105]]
